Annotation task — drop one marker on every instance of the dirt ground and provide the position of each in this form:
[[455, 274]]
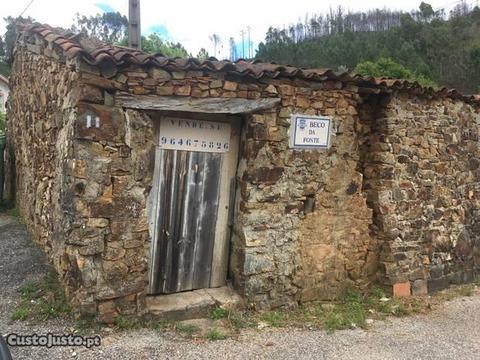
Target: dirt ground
[[450, 332]]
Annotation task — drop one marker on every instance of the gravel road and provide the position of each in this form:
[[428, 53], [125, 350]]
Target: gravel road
[[451, 332]]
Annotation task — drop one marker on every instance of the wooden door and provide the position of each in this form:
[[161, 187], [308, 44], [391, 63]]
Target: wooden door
[[190, 222]]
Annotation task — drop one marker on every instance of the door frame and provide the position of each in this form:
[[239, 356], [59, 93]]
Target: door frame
[[226, 200]]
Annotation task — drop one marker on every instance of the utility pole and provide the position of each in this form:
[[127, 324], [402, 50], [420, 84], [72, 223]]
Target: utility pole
[[134, 27], [243, 43]]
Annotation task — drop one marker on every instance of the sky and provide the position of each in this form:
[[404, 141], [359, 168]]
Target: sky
[[191, 22]]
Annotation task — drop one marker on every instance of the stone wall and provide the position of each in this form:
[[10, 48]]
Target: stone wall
[[302, 230], [280, 255], [397, 191], [422, 178], [39, 128]]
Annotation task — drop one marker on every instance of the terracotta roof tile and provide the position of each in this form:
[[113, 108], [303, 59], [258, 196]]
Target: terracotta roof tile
[[97, 54]]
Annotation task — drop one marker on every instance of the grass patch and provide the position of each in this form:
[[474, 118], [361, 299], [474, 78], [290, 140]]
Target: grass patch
[[354, 310], [214, 335], [239, 320], [274, 318], [187, 329], [127, 323], [42, 300], [87, 324], [455, 291], [218, 313], [11, 211], [22, 312]]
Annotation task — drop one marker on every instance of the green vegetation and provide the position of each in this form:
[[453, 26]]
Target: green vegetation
[[2, 122], [354, 310], [41, 300], [154, 44], [430, 45], [274, 318], [187, 329], [218, 313], [14, 212], [109, 27], [215, 334], [125, 323], [87, 324], [386, 67], [44, 299]]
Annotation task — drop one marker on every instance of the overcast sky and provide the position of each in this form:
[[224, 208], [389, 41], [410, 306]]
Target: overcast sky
[[191, 22]]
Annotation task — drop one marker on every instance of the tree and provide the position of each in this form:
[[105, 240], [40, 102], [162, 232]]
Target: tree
[[154, 44], [2, 49], [430, 44], [216, 40], [386, 67], [426, 11], [108, 27], [10, 35], [233, 49], [202, 55], [4, 68]]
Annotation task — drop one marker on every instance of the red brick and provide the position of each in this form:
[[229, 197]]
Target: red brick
[[401, 289]]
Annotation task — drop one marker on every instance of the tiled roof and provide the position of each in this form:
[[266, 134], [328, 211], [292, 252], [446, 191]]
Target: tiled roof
[[99, 54]]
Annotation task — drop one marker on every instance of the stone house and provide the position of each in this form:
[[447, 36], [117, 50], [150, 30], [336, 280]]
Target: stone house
[[4, 90], [143, 177]]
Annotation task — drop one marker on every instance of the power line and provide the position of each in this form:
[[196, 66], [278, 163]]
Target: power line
[[26, 8]]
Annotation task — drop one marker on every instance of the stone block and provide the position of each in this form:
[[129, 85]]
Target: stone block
[[265, 175], [99, 123], [79, 169], [178, 75], [88, 93], [256, 264], [437, 284], [230, 86], [286, 90], [97, 222], [215, 84], [183, 90], [107, 312], [93, 246], [165, 90], [420, 287], [159, 74], [302, 102]]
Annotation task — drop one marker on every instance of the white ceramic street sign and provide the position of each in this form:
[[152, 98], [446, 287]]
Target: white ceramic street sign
[[310, 132]]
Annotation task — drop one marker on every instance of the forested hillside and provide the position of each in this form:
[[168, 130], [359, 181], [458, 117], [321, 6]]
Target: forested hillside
[[431, 44]]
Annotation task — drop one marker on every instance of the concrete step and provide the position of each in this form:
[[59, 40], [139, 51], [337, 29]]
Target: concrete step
[[192, 304]]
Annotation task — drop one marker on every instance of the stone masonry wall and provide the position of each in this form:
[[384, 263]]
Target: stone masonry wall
[[281, 255], [302, 226], [302, 232], [39, 128], [398, 188], [422, 178]]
